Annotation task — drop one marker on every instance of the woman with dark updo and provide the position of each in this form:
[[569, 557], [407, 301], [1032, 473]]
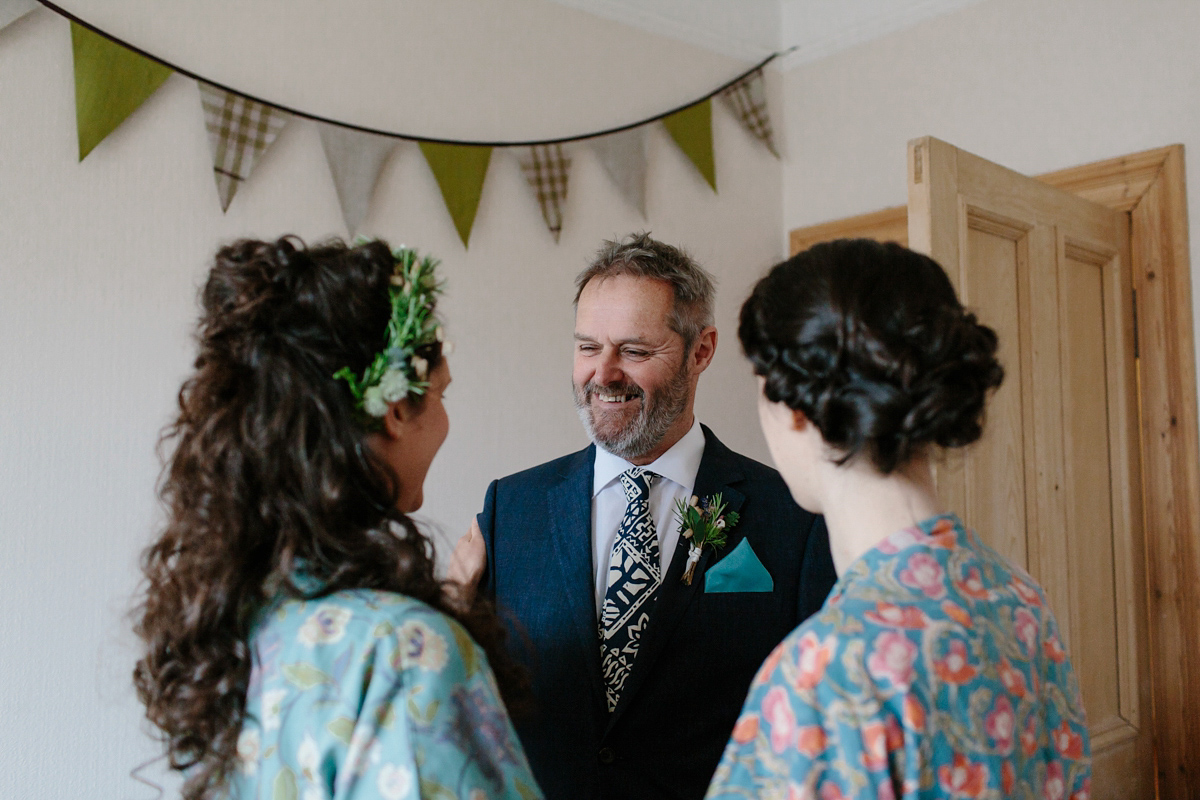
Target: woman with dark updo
[[297, 644], [935, 667]]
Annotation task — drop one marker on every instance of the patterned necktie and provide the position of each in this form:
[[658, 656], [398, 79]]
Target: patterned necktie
[[634, 574]]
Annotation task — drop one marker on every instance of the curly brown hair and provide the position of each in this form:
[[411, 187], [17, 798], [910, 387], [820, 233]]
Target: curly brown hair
[[267, 474]]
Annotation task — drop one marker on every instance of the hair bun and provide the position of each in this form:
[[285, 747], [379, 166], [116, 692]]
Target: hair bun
[[871, 343]]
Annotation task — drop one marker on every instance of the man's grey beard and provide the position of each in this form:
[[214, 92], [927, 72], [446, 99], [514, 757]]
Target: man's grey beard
[[658, 413]]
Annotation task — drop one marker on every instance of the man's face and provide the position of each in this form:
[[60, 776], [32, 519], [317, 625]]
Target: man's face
[[631, 376]]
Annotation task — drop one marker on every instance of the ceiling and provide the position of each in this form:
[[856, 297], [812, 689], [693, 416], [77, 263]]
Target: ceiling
[[752, 29]]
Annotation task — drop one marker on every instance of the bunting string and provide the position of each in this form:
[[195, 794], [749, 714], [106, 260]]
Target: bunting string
[[114, 78], [408, 136]]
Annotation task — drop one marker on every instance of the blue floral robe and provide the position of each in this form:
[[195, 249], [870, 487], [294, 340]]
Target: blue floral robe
[[363, 695], [935, 669]]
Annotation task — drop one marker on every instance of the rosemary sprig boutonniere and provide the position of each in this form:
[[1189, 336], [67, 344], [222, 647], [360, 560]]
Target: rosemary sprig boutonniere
[[704, 523]]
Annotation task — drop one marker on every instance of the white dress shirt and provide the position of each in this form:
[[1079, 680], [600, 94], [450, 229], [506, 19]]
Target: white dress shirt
[[677, 469]]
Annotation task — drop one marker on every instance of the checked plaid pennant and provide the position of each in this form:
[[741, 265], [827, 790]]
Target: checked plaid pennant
[[547, 168], [748, 100], [239, 132]]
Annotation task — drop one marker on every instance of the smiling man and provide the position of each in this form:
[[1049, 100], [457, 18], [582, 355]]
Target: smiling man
[[638, 673]]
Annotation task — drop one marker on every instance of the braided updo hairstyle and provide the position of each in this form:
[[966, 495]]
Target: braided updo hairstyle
[[267, 476], [869, 341]]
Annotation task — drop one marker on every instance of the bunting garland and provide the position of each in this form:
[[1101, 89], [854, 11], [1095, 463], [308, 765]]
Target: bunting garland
[[691, 129], [747, 99], [239, 131], [460, 171], [623, 156], [547, 169], [111, 82], [113, 79], [356, 160]]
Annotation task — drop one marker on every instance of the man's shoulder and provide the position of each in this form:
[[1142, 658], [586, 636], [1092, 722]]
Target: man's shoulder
[[547, 473], [751, 470]]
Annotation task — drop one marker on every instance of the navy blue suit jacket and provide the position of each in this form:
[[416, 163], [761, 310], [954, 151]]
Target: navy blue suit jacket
[[700, 650]]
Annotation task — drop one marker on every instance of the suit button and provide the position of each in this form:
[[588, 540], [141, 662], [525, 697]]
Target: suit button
[[607, 756]]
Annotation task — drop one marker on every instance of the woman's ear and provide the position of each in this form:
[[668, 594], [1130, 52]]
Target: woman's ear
[[800, 420], [397, 419]]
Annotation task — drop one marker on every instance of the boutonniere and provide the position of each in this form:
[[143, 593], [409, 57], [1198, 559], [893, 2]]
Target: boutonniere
[[704, 523]]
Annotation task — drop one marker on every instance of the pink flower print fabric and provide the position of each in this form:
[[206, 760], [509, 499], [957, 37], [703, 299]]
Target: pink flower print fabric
[[935, 669]]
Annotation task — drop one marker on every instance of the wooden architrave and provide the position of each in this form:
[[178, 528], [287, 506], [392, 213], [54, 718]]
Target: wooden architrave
[[1150, 187]]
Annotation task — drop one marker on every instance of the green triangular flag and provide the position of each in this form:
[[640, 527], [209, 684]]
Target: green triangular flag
[[111, 81], [692, 131], [460, 170]]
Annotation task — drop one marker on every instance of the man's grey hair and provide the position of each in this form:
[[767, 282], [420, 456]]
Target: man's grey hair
[[644, 257]]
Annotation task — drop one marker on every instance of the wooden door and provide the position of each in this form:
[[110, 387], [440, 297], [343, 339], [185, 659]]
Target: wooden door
[[1055, 482]]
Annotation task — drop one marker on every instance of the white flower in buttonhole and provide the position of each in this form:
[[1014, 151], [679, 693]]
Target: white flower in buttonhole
[[703, 524], [394, 385]]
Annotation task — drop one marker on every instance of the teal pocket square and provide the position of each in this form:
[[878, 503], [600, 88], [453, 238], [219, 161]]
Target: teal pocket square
[[740, 571]]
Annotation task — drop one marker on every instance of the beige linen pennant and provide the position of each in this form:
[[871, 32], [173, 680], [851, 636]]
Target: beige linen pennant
[[623, 156], [747, 99], [13, 10], [356, 160], [547, 169], [239, 132]]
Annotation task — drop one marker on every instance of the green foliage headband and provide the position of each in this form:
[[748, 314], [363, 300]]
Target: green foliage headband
[[398, 371]]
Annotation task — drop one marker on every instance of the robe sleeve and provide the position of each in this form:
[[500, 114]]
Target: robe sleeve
[[432, 724]]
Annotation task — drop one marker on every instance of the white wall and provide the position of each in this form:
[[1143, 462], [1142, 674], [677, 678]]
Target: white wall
[[1035, 86], [99, 266]]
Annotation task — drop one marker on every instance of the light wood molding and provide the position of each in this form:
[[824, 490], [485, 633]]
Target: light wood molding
[[888, 225], [1150, 186], [1171, 470]]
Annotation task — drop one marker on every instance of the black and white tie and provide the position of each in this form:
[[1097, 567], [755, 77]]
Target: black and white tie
[[634, 574]]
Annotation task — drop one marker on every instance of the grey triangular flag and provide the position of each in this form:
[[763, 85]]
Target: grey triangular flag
[[356, 159], [624, 158], [13, 10]]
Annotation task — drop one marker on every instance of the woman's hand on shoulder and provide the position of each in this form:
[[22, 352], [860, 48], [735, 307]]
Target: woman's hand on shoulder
[[466, 566]]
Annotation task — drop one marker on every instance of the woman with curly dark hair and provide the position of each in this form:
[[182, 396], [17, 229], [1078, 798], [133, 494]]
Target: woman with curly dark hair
[[935, 667], [297, 643]]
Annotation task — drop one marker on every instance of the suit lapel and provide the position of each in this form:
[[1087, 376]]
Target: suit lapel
[[569, 503], [717, 472]]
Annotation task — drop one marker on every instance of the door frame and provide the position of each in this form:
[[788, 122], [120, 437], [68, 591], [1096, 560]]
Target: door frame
[[1150, 187]]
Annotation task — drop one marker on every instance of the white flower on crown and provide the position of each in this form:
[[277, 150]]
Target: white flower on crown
[[373, 402], [393, 386], [420, 367]]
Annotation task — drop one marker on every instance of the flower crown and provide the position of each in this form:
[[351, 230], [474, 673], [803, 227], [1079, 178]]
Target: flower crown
[[399, 371]]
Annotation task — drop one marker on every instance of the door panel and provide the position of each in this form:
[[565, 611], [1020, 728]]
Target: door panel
[[1055, 483]]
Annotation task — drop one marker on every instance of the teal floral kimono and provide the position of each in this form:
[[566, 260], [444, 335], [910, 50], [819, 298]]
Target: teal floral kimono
[[363, 695], [935, 669]]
